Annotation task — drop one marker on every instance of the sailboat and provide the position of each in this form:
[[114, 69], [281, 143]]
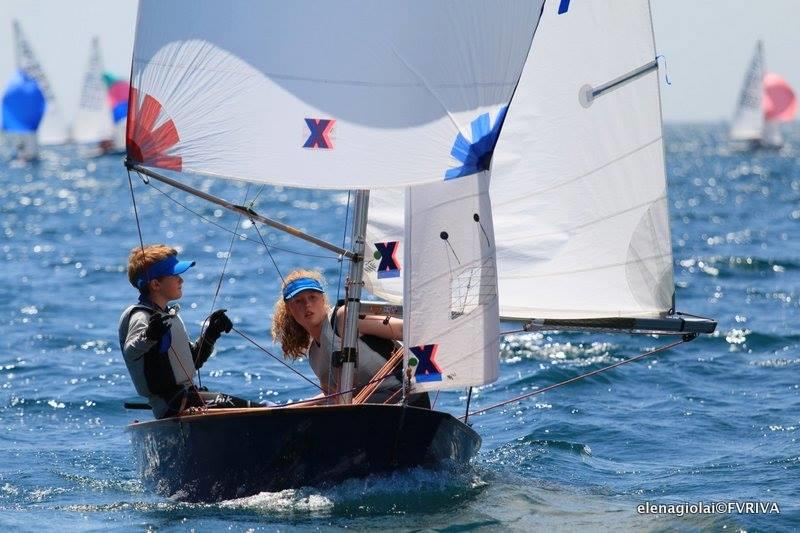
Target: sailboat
[[53, 128], [23, 108], [100, 122], [497, 172], [765, 101]]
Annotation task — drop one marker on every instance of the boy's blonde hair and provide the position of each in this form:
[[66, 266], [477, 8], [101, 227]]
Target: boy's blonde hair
[[293, 338], [140, 259]]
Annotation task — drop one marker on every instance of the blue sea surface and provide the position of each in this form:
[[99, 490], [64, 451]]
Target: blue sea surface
[[714, 420]]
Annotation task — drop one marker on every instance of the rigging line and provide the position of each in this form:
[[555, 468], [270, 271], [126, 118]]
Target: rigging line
[[136, 212], [278, 270], [344, 239], [284, 363], [686, 338], [223, 228], [205, 325], [320, 399]]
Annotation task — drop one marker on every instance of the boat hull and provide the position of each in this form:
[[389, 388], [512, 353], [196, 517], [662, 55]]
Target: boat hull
[[231, 453]]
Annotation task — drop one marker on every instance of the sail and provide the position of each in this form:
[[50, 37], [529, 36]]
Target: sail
[[578, 183], [94, 121], [780, 103], [450, 329], [23, 104], [53, 128], [353, 94], [748, 120]]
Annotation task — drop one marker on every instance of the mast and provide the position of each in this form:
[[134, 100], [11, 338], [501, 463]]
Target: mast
[[350, 348]]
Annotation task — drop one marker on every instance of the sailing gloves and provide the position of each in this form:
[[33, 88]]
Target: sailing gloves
[[218, 322], [157, 326]]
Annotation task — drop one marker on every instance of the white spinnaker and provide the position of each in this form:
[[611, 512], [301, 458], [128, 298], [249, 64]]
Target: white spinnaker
[[578, 193], [53, 128], [93, 122], [234, 82], [450, 329], [748, 119]]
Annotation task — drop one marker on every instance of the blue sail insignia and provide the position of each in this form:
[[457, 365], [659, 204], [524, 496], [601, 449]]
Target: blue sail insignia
[[476, 156]]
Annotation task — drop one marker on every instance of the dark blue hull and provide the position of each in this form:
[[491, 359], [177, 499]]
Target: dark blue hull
[[230, 453]]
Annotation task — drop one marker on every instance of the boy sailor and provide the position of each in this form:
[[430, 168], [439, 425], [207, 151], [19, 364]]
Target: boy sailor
[[160, 357]]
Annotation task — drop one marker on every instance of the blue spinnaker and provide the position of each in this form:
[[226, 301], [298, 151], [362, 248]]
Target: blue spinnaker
[[23, 104]]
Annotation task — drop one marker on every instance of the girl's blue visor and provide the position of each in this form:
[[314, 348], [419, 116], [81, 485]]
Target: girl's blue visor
[[293, 288]]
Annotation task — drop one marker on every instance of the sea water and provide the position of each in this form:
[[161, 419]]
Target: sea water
[[715, 420]]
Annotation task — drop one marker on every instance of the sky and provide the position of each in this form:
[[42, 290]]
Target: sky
[[707, 45]]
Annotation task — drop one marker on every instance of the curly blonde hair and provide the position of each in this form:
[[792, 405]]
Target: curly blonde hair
[[293, 338]]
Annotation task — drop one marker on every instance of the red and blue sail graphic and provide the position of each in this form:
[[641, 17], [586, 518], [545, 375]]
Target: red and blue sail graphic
[[389, 267], [427, 369], [320, 133], [146, 143], [476, 156]]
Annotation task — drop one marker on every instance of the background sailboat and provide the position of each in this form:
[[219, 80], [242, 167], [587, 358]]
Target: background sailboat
[[23, 108], [100, 121], [765, 101], [53, 128]]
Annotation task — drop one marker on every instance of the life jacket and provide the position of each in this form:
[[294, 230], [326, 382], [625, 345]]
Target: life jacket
[[156, 369], [380, 345]]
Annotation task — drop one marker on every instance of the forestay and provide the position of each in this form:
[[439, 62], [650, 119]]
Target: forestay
[[451, 329], [53, 128], [351, 94], [94, 122], [578, 183], [748, 120]]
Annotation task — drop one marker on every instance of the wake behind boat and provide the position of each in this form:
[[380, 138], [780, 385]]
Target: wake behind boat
[[419, 97]]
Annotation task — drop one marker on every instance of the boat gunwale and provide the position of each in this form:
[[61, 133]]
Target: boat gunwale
[[235, 412]]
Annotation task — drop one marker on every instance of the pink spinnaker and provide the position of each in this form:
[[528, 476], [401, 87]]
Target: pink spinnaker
[[780, 104]]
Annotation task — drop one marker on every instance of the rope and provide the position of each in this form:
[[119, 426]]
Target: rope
[[136, 211], [278, 270], [335, 394], [254, 343], [223, 228], [204, 327], [686, 338], [382, 373]]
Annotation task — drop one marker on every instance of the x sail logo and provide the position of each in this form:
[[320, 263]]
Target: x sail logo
[[387, 253], [427, 369], [320, 133]]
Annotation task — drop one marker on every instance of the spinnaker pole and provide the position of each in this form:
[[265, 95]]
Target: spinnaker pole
[[245, 211]]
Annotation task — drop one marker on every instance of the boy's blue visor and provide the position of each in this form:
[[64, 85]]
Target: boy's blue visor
[[293, 288], [169, 266]]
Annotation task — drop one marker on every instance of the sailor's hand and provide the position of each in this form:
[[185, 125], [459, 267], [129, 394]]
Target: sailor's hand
[[218, 322], [157, 326]]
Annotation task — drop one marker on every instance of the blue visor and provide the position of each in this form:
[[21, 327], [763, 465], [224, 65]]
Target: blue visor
[[169, 266], [299, 285]]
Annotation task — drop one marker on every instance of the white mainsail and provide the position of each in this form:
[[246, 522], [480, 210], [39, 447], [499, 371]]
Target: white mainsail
[[748, 119], [578, 182], [93, 122], [451, 331], [53, 128], [352, 94]]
